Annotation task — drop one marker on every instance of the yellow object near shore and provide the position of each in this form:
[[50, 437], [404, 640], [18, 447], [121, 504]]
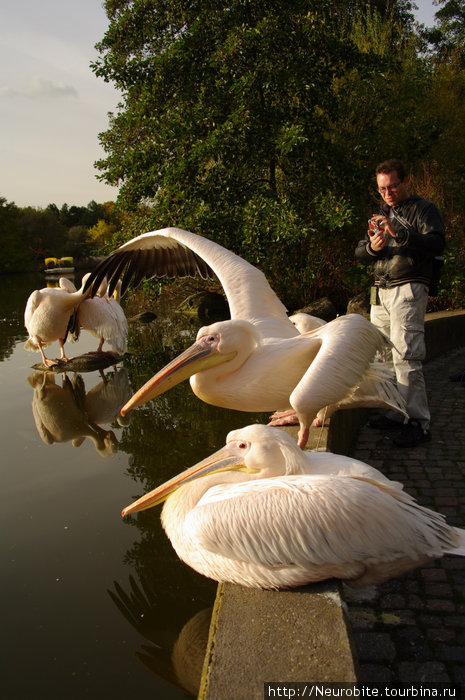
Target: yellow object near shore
[[59, 266]]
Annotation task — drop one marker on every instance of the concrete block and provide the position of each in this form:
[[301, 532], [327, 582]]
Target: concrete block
[[275, 636]]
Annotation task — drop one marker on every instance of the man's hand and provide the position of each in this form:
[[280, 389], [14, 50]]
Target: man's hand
[[378, 238], [377, 241], [384, 223]]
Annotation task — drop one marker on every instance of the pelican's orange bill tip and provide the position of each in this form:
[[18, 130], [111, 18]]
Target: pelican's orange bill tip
[[218, 461], [195, 359]]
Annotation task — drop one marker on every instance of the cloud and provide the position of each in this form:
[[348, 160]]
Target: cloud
[[39, 88]]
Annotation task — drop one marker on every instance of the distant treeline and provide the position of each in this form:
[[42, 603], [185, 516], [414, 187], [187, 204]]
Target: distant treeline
[[28, 235]]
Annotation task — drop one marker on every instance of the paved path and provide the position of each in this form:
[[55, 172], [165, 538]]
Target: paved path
[[412, 629]]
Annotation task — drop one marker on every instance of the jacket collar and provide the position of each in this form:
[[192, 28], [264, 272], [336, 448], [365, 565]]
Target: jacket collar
[[385, 208]]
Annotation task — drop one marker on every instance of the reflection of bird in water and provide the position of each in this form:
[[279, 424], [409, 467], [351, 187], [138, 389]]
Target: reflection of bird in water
[[370, 392], [103, 402], [61, 413], [256, 361], [262, 513], [103, 317], [48, 316], [190, 649], [177, 648]]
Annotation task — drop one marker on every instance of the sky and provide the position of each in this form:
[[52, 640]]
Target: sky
[[52, 106]]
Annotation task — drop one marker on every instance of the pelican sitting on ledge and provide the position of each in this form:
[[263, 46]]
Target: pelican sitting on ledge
[[257, 361], [262, 513]]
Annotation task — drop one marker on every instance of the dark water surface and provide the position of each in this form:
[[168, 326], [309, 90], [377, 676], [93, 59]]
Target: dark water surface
[[93, 605]]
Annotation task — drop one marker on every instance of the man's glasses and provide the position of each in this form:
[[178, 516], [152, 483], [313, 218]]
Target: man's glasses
[[389, 188]]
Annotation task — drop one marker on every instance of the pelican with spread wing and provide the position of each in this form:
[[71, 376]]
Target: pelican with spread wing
[[256, 361], [262, 513]]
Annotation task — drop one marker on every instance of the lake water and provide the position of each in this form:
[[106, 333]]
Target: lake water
[[93, 605]]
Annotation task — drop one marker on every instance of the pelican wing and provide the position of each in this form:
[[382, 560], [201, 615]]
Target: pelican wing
[[347, 346], [304, 521], [178, 253], [32, 305], [377, 388]]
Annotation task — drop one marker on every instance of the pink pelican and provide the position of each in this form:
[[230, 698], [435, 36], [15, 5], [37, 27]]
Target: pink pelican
[[262, 513]]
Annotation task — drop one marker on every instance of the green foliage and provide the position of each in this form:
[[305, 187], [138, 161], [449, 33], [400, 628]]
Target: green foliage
[[226, 126], [14, 252], [447, 37], [101, 234]]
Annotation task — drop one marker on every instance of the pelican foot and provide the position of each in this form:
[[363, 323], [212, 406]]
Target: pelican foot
[[49, 363], [290, 419], [317, 423], [281, 414]]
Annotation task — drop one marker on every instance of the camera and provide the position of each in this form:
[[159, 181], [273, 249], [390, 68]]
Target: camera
[[375, 227]]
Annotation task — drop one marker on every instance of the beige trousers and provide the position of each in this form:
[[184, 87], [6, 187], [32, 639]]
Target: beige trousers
[[401, 317]]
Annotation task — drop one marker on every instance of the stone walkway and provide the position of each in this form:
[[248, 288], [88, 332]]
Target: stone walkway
[[412, 629]]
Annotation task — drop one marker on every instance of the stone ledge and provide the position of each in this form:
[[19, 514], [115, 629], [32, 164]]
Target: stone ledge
[[275, 636], [444, 331]]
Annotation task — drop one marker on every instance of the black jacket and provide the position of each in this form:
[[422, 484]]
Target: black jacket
[[408, 257]]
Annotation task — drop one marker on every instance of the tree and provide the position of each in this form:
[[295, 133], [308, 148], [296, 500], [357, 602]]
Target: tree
[[447, 37], [100, 235], [14, 253], [226, 122]]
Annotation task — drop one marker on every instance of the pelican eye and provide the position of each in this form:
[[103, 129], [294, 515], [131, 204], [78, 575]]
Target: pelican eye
[[208, 339], [242, 445]]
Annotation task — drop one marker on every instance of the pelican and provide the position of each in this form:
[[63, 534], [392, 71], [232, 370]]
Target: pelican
[[49, 316], [120, 317], [262, 513], [305, 322], [370, 392], [103, 317], [257, 361]]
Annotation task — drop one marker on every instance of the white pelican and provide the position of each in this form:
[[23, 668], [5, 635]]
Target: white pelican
[[103, 317], [256, 361], [262, 513], [49, 317], [120, 317], [305, 322], [370, 392]]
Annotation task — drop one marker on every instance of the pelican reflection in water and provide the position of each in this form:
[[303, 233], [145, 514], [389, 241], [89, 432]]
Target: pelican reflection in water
[[163, 615], [262, 513], [67, 414], [256, 361]]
